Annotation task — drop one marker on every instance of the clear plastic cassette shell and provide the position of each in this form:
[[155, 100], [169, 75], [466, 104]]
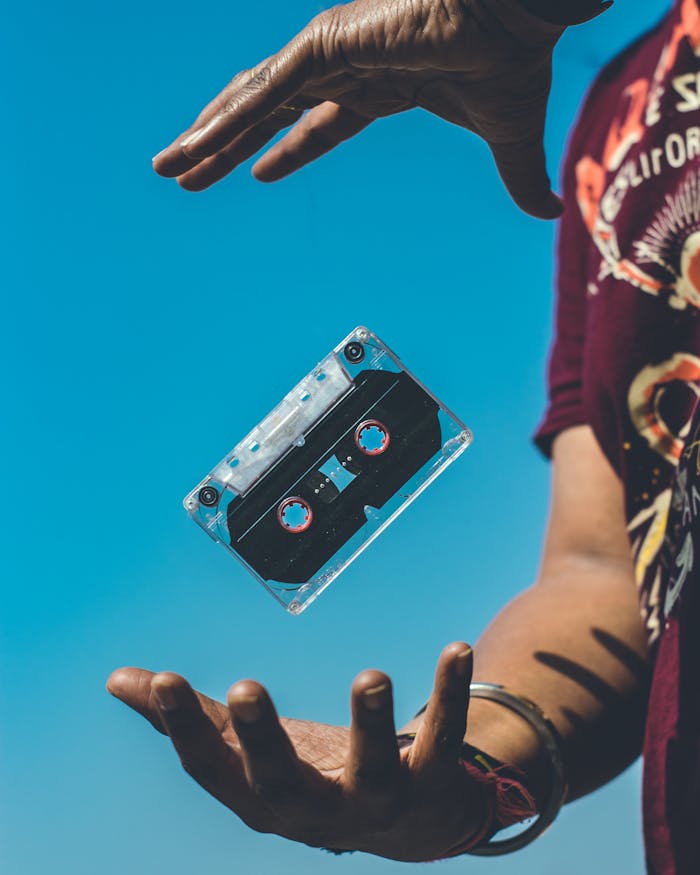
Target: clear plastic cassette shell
[[323, 474]]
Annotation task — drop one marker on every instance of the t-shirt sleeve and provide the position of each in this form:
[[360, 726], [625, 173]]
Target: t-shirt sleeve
[[565, 405]]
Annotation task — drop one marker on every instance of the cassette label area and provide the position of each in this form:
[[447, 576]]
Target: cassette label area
[[330, 467]]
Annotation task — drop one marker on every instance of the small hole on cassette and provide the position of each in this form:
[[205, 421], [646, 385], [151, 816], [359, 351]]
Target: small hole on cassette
[[254, 447], [372, 437], [295, 515]]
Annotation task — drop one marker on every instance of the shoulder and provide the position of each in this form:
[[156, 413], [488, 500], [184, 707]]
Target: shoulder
[[610, 79]]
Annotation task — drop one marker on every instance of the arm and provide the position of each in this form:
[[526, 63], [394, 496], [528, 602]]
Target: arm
[[573, 642]]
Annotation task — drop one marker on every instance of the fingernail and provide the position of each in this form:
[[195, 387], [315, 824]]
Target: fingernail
[[375, 698], [189, 141], [165, 696], [463, 661], [247, 708]]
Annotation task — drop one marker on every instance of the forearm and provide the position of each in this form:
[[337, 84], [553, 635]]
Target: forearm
[[573, 644], [576, 648]]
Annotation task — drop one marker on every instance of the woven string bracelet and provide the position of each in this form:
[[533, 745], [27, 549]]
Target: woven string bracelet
[[506, 799]]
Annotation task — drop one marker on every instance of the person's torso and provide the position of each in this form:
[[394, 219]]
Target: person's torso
[[637, 169], [638, 190]]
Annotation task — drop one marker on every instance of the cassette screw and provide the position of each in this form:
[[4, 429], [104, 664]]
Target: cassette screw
[[208, 496], [354, 352]]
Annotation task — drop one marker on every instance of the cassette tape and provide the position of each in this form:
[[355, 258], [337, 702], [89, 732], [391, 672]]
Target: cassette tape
[[342, 455]]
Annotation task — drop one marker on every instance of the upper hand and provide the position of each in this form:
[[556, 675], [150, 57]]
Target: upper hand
[[485, 66], [324, 785]]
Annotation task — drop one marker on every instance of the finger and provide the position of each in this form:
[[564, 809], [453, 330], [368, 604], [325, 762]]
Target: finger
[[202, 750], [273, 85], [211, 170], [522, 167], [373, 766], [322, 129], [217, 104], [133, 687], [269, 760], [171, 161], [438, 741]]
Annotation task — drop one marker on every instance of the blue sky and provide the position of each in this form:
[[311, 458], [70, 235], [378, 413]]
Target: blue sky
[[147, 329]]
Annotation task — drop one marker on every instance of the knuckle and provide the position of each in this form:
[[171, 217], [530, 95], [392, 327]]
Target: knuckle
[[328, 18], [259, 81], [262, 77], [317, 133], [324, 30]]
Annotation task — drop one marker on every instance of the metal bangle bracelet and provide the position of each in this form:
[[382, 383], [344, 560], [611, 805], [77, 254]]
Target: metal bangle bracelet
[[550, 740]]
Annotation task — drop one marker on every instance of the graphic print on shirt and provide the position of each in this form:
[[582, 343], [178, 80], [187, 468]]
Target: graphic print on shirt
[[600, 201], [671, 244], [654, 136], [673, 386], [681, 537]]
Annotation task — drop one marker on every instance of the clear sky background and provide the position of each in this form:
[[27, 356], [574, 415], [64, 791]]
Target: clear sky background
[[146, 330]]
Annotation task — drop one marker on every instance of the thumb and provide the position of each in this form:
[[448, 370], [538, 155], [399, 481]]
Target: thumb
[[133, 687], [523, 169]]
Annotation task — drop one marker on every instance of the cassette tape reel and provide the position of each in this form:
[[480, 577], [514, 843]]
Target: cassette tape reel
[[343, 454]]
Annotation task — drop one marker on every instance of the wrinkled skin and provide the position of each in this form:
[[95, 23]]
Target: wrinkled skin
[[485, 66], [327, 786]]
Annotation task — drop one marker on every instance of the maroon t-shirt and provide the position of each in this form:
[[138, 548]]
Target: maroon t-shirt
[[626, 360]]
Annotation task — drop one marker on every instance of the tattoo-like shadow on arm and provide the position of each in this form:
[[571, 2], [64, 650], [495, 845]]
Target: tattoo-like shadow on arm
[[618, 733]]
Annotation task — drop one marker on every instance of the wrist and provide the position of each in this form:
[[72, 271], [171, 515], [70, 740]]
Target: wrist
[[508, 738], [498, 798], [512, 797], [505, 737]]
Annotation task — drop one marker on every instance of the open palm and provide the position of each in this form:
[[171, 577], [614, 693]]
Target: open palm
[[327, 786]]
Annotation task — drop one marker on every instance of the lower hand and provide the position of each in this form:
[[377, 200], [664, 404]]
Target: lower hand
[[326, 786]]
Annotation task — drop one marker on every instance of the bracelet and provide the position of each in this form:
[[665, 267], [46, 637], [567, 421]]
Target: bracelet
[[567, 13], [506, 800], [549, 737]]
